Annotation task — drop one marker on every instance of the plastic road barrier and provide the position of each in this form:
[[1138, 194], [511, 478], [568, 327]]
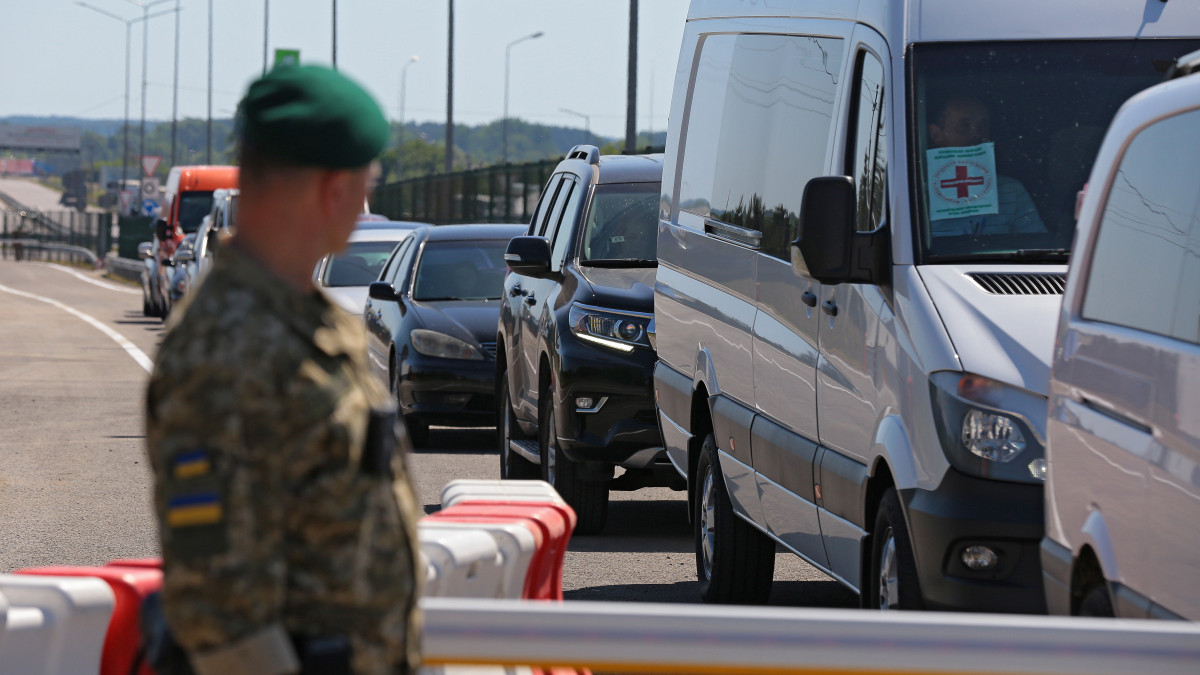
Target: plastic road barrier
[[130, 586], [52, 625], [544, 580], [464, 489], [515, 543], [617, 637], [468, 562]]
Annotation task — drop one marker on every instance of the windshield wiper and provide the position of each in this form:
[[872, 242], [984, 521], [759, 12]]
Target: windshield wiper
[[1043, 254], [619, 262]]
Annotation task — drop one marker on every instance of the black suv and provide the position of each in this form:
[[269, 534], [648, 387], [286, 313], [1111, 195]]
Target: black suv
[[574, 367]]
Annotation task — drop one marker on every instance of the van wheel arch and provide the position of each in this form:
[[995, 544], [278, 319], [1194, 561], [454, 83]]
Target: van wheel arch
[[1086, 575], [881, 480], [700, 426]]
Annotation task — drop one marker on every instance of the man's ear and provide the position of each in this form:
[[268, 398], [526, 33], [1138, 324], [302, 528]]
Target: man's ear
[[331, 189], [935, 136]]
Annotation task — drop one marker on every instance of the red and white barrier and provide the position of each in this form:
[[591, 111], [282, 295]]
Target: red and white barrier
[[464, 489], [515, 546], [52, 625]]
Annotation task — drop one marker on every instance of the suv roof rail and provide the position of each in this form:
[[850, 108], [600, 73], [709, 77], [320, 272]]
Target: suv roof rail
[[588, 153], [1185, 65]]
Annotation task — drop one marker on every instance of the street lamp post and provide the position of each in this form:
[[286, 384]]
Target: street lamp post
[[587, 123], [145, 57], [128, 41], [403, 86], [504, 122]]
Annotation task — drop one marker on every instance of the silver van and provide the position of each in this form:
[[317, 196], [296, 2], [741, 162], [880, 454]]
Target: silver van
[[866, 216], [1123, 434]]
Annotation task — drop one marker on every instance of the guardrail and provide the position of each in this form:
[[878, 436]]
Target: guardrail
[[36, 249], [615, 637]]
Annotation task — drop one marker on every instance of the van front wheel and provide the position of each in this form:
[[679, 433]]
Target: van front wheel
[[894, 582], [735, 562]]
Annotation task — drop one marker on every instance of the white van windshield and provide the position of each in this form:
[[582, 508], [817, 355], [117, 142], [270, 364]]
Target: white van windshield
[[1005, 135]]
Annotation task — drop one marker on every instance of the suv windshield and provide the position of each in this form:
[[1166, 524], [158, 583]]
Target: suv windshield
[[193, 206], [1005, 135], [622, 224]]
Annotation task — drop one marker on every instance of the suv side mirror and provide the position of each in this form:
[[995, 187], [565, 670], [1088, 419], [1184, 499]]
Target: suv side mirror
[[185, 254], [828, 248], [382, 290], [529, 256], [146, 250]]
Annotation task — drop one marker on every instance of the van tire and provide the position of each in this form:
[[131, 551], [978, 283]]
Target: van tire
[[1097, 602], [735, 562], [589, 499], [892, 558], [512, 465]]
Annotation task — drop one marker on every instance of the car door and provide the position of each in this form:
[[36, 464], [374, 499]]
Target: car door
[[523, 293], [378, 314], [856, 347]]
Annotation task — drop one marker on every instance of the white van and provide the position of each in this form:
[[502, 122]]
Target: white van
[[1123, 437], [866, 216]]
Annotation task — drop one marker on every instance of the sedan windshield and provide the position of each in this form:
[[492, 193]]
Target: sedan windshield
[[622, 225], [359, 264], [461, 270], [1005, 135]]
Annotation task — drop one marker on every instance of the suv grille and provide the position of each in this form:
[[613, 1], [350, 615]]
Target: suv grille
[[1005, 283], [489, 348]]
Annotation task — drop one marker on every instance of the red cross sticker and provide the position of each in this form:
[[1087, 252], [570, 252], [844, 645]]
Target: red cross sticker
[[961, 182]]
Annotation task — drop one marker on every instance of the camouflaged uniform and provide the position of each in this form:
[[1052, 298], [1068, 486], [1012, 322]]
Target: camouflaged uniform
[[280, 505]]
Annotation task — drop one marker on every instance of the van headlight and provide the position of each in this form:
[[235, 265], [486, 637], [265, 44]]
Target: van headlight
[[615, 330], [433, 343], [989, 429]]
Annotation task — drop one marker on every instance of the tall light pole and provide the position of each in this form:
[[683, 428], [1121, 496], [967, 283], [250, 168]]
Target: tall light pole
[[631, 85], [208, 123], [449, 98], [335, 34], [403, 86], [145, 56], [587, 123], [266, 16], [504, 122], [128, 41], [175, 86]]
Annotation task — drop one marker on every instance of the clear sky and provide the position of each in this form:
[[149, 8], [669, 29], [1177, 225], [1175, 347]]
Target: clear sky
[[58, 58]]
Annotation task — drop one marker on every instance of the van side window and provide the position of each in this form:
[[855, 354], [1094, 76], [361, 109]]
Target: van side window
[[758, 127], [1145, 270], [565, 231], [868, 152]]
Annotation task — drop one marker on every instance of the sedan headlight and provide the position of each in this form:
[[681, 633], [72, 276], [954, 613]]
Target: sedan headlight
[[615, 330], [433, 343], [989, 429]]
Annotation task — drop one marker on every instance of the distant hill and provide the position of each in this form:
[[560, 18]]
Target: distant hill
[[101, 127]]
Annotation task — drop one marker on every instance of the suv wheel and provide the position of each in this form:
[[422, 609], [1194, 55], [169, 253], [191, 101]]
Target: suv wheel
[[893, 578], [734, 561], [589, 499], [512, 465]]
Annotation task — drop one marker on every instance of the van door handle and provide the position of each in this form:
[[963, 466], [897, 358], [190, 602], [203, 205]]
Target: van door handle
[[530, 300], [809, 298], [516, 290], [829, 307]]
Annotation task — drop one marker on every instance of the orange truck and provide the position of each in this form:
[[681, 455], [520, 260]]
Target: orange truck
[[189, 198]]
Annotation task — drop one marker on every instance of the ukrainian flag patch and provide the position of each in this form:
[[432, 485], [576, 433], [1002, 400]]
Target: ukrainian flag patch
[[191, 464], [190, 510]]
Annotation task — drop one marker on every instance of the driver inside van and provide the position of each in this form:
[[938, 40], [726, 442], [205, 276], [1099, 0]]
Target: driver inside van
[[963, 121]]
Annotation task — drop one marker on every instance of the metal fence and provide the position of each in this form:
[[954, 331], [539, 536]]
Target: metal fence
[[495, 194], [61, 236]]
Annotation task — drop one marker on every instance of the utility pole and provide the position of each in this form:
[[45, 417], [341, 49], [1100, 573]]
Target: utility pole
[[266, 18], [208, 126], [631, 92], [175, 87], [450, 99], [335, 34]]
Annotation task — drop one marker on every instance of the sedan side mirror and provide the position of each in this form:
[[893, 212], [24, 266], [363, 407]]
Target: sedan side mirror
[[382, 290], [529, 256], [185, 255]]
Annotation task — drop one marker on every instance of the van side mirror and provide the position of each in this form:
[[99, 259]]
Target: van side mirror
[[827, 247], [529, 256]]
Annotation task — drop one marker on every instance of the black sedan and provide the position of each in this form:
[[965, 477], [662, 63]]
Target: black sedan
[[431, 324]]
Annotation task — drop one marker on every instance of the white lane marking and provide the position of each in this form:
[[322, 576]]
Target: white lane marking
[[96, 282], [137, 354]]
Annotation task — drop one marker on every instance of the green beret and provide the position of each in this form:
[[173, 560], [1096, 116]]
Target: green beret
[[312, 116]]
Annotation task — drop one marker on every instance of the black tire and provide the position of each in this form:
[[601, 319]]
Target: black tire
[[1097, 603], [735, 562], [512, 465], [589, 499], [418, 431], [893, 581]]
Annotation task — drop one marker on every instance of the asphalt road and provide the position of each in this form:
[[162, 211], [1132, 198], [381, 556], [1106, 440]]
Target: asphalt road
[[75, 486]]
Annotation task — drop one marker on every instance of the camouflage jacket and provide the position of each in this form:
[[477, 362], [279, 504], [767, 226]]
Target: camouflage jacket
[[279, 502]]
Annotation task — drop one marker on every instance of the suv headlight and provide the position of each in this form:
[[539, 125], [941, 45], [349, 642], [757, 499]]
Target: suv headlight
[[433, 343], [615, 330], [988, 428]]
